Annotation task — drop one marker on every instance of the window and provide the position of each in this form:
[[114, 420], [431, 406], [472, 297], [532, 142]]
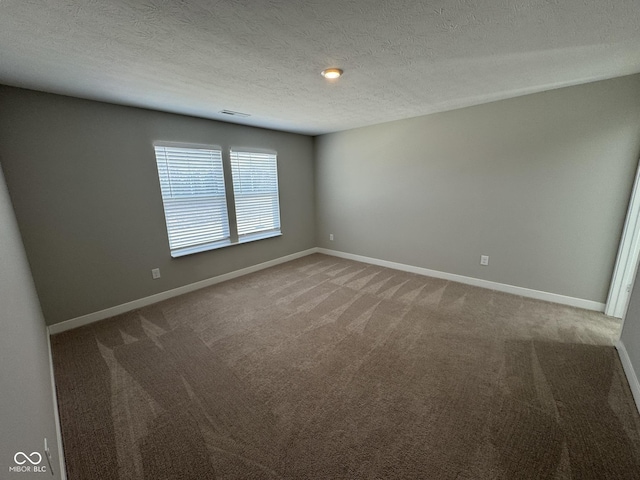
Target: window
[[255, 190], [194, 198], [194, 195]]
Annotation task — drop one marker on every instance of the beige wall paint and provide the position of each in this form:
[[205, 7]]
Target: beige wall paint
[[539, 183], [26, 396], [84, 184]]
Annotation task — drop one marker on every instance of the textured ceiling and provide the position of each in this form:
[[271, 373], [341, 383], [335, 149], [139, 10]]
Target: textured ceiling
[[401, 58]]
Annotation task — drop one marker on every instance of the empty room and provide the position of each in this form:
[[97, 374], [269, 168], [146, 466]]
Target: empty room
[[319, 240]]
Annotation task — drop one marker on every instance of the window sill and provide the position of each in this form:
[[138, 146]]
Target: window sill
[[183, 252]]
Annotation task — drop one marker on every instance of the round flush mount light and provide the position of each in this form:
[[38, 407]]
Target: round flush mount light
[[332, 73]]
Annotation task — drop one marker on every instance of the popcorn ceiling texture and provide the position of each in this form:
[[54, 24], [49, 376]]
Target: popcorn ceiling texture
[[401, 58]]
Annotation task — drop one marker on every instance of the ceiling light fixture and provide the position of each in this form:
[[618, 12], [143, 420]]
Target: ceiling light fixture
[[332, 73]]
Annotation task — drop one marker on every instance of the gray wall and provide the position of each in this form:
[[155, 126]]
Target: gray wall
[[26, 397], [84, 185], [539, 183], [631, 330]]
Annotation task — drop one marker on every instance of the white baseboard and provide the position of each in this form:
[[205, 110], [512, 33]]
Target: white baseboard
[[61, 466], [630, 372], [501, 287], [476, 282], [158, 297]]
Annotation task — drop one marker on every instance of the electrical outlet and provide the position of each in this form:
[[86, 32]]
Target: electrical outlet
[[331, 237], [484, 259], [155, 273]]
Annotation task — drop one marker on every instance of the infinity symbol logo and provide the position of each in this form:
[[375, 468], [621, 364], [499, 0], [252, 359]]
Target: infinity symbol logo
[[27, 458]]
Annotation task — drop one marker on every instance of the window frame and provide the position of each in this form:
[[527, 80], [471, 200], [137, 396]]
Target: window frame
[[234, 238], [261, 234]]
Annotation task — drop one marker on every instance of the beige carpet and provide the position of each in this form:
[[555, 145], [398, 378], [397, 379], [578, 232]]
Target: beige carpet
[[332, 369]]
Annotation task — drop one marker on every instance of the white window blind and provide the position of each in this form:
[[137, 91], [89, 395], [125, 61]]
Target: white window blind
[[194, 197], [255, 188]]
